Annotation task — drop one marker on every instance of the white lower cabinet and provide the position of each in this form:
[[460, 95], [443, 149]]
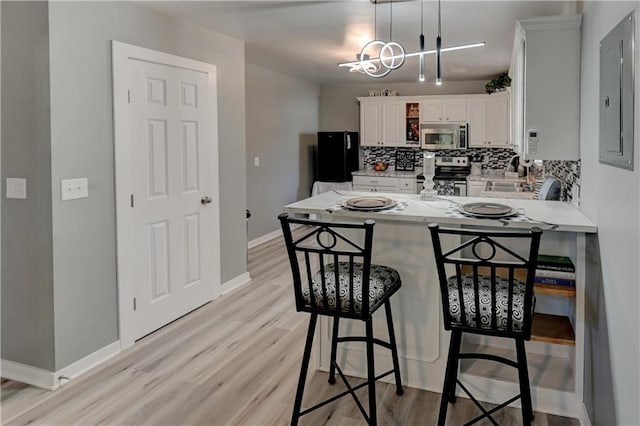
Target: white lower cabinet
[[384, 184], [475, 188]]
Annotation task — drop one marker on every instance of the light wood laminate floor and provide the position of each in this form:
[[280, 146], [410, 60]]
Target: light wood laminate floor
[[234, 361]]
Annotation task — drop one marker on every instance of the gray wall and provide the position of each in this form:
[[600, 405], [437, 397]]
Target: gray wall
[[610, 197], [82, 145], [339, 109], [27, 281], [282, 121], [59, 294]]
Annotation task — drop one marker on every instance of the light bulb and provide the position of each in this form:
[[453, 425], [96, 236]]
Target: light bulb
[[438, 64], [421, 60]]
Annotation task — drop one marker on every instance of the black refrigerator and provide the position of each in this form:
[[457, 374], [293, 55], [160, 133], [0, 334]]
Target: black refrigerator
[[337, 156]]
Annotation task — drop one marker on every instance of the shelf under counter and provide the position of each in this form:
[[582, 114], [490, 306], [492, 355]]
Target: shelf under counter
[[546, 371]]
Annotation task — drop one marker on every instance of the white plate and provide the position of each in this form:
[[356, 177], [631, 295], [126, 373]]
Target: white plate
[[487, 210], [369, 203]]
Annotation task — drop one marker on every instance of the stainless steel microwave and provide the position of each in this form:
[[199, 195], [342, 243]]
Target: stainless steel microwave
[[444, 136]]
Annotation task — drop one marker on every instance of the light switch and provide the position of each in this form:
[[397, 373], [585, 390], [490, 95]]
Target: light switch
[[74, 188], [256, 161], [17, 188]]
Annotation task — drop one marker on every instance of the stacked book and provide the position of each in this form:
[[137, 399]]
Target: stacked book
[[558, 270]]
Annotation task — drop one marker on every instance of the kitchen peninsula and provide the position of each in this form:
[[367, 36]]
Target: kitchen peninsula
[[401, 240]]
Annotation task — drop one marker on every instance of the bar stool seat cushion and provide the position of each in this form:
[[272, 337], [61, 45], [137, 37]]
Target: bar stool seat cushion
[[383, 281], [484, 287]]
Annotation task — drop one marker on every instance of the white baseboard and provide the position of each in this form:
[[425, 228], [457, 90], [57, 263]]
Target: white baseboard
[[50, 380], [90, 361], [28, 374], [235, 283], [268, 237], [263, 239]]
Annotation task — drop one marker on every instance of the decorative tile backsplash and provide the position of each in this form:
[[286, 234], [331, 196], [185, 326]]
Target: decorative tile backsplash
[[491, 158], [568, 172]]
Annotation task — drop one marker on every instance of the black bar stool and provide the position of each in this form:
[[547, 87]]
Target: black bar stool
[[339, 281], [484, 297]]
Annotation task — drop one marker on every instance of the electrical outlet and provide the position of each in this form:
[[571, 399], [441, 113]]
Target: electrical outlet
[[16, 188], [72, 189], [256, 161]]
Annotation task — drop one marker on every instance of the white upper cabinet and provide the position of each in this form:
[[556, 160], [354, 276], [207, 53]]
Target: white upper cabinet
[[489, 121], [498, 121], [370, 123], [382, 123], [545, 73], [443, 110], [477, 122], [455, 110], [393, 121]]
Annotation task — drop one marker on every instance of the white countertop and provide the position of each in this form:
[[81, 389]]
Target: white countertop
[[548, 215], [390, 172], [501, 178]]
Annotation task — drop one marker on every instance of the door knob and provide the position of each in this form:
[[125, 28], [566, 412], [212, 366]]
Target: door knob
[[206, 200]]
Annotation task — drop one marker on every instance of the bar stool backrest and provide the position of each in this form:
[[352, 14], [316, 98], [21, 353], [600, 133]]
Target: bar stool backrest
[[319, 245], [478, 255]]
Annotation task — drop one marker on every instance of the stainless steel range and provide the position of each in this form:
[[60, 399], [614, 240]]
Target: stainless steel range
[[450, 176]]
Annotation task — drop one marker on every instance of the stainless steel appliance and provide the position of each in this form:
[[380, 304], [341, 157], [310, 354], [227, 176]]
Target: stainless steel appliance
[[450, 176], [444, 136], [337, 156]]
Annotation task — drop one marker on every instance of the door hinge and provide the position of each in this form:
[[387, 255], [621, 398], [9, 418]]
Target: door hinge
[[129, 96], [132, 203], [135, 306]]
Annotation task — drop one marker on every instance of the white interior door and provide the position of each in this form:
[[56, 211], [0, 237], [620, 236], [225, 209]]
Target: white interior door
[[168, 231]]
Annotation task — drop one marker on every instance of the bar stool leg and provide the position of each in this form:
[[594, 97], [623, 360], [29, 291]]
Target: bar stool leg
[[523, 378], [334, 348], [394, 348], [450, 376], [456, 363], [371, 373], [303, 369]]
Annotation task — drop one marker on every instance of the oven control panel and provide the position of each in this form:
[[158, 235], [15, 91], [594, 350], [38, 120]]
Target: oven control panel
[[452, 161]]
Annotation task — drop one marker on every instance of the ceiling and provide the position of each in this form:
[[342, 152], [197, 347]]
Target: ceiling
[[309, 38]]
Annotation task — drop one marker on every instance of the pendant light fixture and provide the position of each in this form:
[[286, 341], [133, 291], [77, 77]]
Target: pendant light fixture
[[421, 39], [438, 52], [378, 58], [390, 55]]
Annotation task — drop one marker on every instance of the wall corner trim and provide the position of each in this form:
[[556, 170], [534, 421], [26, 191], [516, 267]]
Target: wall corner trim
[[584, 416], [236, 283], [46, 379]]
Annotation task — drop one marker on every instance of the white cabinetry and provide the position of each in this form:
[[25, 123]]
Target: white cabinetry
[[407, 185], [545, 74], [382, 123], [489, 121], [394, 122], [448, 110], [475, 188], [384, 184]]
